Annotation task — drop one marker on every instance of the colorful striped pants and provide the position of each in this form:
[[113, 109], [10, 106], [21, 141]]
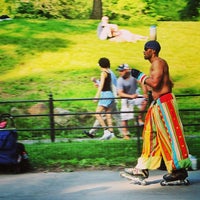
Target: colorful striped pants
[[163, 137]]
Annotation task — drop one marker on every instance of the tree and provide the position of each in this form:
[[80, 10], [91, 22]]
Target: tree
[[97, 9], [191, 11], [8, 7]]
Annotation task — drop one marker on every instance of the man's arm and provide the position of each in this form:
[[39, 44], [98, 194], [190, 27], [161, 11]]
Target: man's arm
[[145, 90], [130, 96], [156, 74], [102, 80], [121, 92]]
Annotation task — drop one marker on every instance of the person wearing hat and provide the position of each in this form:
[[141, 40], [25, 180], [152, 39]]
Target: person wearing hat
[[163, 135], [127, 88]]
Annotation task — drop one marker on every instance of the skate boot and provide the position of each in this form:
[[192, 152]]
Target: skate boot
[[137, 172], [137, 176], [177, 177]]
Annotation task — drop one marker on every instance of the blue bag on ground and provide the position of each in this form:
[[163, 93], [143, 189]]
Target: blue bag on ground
[[13, 156], [8, 147]]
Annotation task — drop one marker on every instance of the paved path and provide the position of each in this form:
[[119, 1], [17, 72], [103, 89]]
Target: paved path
[[93, 185]]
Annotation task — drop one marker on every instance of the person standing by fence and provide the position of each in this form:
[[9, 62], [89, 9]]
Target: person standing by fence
[[127, 88], [163, 135], [104, 92], [92, 132]]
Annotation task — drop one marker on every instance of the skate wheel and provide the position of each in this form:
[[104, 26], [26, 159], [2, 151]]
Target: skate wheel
[[186, 182], [143, 182], [163, 183]]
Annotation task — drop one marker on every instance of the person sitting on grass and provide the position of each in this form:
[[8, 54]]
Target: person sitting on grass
[[105, 31]]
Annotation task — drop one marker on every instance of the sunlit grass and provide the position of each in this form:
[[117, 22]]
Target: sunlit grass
[[61, 55]]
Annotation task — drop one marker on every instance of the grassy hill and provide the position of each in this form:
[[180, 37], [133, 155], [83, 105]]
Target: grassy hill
[[39, 56]]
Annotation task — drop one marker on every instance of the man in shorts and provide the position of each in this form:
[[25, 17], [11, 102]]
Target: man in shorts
[[127, 89]]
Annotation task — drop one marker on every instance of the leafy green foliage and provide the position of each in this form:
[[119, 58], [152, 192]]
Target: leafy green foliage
[[55, 9], [191, 10], [123, 10]]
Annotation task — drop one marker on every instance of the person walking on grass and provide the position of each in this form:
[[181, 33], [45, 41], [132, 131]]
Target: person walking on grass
[[104, 92], [163, 135]]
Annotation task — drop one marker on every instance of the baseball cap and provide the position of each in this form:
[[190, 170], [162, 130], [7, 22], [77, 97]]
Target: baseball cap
[[152, 44], [122, 67]]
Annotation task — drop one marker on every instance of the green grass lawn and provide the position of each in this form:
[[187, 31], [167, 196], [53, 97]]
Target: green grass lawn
[[61, 56], [85, 154], [73, 155]]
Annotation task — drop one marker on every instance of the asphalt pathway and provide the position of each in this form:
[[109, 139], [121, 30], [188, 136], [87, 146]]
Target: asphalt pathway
[[93, 185]]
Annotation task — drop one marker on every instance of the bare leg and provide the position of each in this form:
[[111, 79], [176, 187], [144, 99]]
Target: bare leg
[[117, 117], [95, 125], [125, 129], [99, 116], [109, 119]]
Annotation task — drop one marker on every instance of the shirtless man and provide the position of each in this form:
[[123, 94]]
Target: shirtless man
[[163, 135]]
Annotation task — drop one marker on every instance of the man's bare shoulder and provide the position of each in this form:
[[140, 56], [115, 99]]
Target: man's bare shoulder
[[159, 62]]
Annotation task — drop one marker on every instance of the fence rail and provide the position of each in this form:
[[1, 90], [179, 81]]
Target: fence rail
[[191, 114]]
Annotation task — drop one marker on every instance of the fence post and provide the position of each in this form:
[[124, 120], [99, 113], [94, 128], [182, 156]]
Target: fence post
[[51, 117]]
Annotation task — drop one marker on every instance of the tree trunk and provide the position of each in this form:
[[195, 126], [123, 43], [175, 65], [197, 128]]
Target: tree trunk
[[97, 9]]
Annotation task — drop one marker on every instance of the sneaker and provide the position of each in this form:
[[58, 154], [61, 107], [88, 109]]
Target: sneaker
[[112, 135], [106, 135], [88, 134], [140, 122], [180, 174], [126, 137], [137, 172]]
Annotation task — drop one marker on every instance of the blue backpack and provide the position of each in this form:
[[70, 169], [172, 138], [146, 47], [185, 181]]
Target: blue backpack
[[8, 141], [13, 155], [8, 147]]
